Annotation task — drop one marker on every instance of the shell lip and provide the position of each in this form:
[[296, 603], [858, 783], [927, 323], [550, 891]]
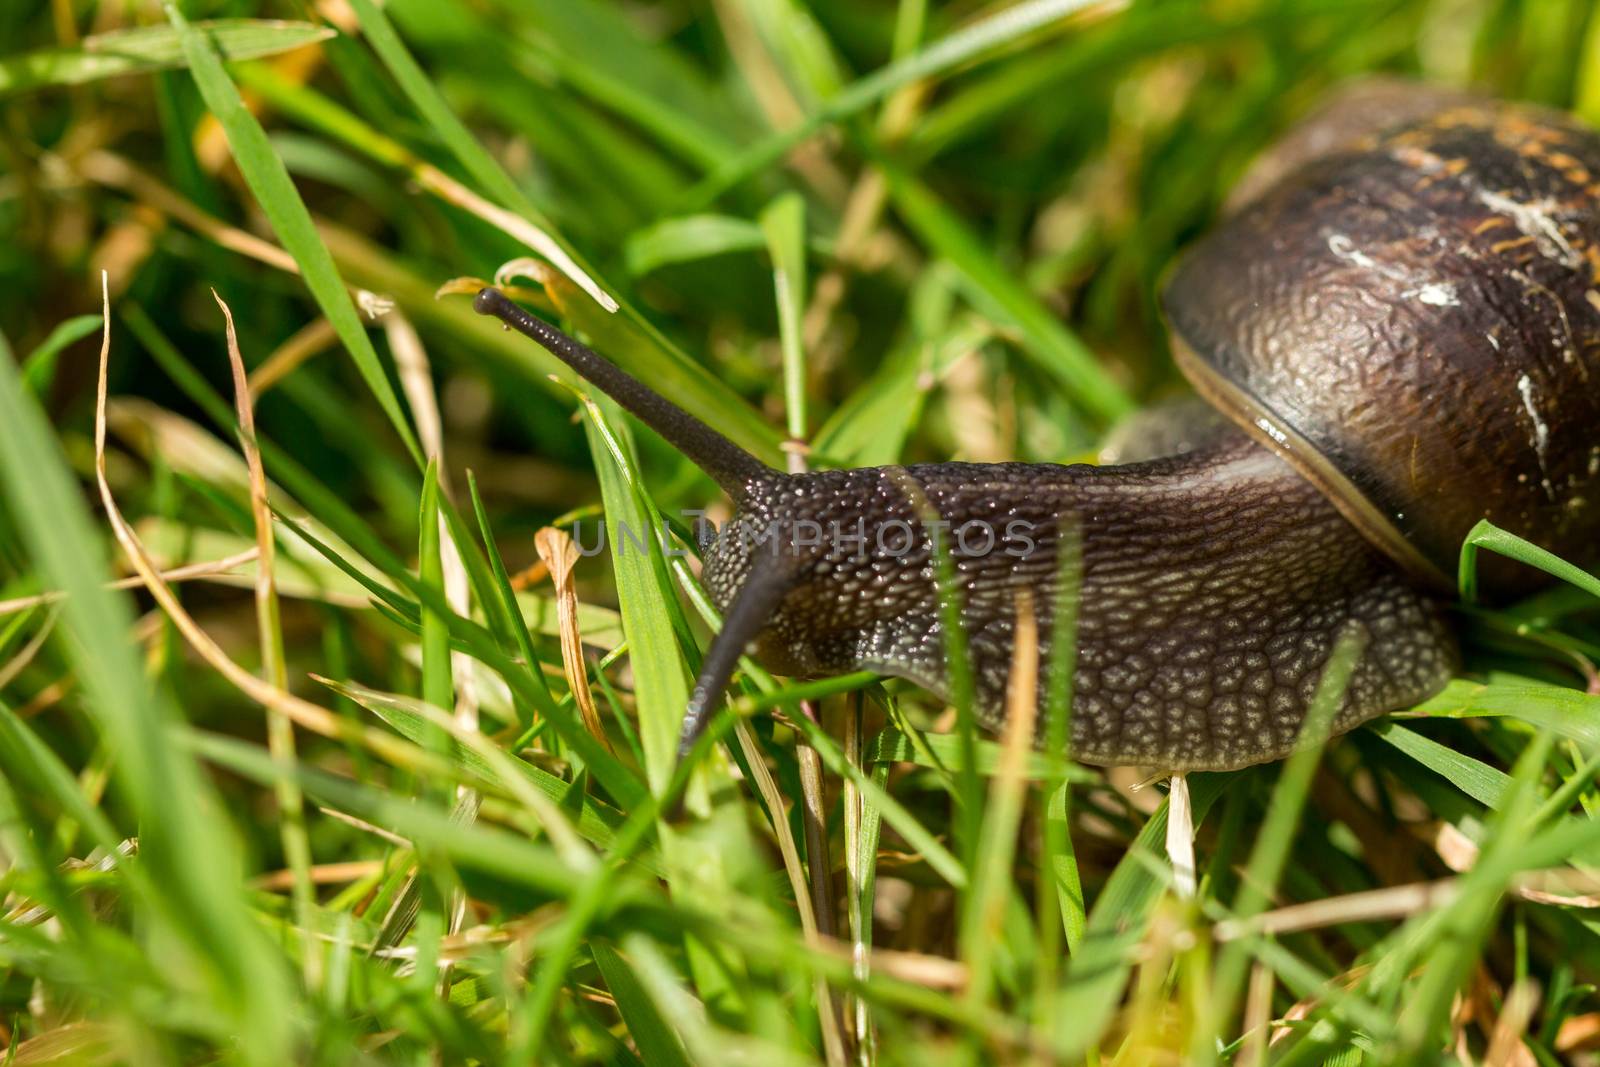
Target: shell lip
[[1277, 435]]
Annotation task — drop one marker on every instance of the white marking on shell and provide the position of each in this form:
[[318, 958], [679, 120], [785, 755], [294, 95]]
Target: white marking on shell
[[1536, 219], [1344, 248], [1541, 432], [1439, 294], [1435, 294]]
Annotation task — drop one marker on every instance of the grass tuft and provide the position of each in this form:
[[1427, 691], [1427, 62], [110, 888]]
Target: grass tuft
[[305, 755]]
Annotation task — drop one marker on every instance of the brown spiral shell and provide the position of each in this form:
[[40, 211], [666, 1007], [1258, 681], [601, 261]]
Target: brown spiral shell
[[1413, 321]]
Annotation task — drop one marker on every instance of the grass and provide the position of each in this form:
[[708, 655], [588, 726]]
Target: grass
[[345, 808]]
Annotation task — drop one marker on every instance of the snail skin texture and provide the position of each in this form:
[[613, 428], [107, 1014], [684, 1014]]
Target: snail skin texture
[[1399, 331]]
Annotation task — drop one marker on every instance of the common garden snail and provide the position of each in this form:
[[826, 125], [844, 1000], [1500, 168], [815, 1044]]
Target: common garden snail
[[1401, 332]]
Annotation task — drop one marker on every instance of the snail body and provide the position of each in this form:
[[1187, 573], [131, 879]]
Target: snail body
[[1398, 330]]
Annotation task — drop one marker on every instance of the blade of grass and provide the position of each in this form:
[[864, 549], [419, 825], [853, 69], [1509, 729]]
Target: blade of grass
[[894, 813], [280, 731], [784, 225], [755, 759], [663, 363], [190, 852], [1059, 908], [690, 238], [438, 679], [1487, 535], [992, 889], [971, 43], [651, 1034], [1007, 301], [39, 369], [149, 48], [425, 97], [274, 190], [1276, 838], [661, 687], [1453, 952], [1117, 923], [617, 778], [598, 52], [509, 607], [1475, 778], [863, 828], [1569, 712]]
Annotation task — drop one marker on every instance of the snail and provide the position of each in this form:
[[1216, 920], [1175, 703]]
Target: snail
[[1397, 334]]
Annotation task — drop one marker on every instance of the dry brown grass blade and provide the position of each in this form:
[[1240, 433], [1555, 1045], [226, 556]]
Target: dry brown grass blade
[[767, 786], [48, 697], [1257, 1016], [1579, 1033], [206, 568], [280, 730], [78, 1042], [1009, 786], [260, 510], [1180, 836], [413, 368], [106, 168], [529, 576], [1506, 1046], [1390, 902], [513, 225], [308, 715], [752, 55], [1022, 702], [310, 340], [321, 874], [366, 827], [559, 555], [1558, 886], [111, 170]]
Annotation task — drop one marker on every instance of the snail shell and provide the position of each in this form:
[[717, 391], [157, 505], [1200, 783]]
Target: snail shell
[[1413, 321]]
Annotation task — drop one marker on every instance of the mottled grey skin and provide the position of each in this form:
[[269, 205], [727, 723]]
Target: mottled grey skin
[[1214, 587]]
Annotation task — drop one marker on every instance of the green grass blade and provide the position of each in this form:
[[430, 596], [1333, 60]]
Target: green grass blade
[[999, 294], [655, 1040], [1568, 712], [894, 813], [943, 750], [661, 685], [1487, 535], [956, 49], [438, 688], [150, 48], [381, 35], [438, 682], [1118, 921], [508, 603], [1475, 778], [274, 190], [39, 369], [784, 224], [1275, 841], [690, 238], [189, 851]]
